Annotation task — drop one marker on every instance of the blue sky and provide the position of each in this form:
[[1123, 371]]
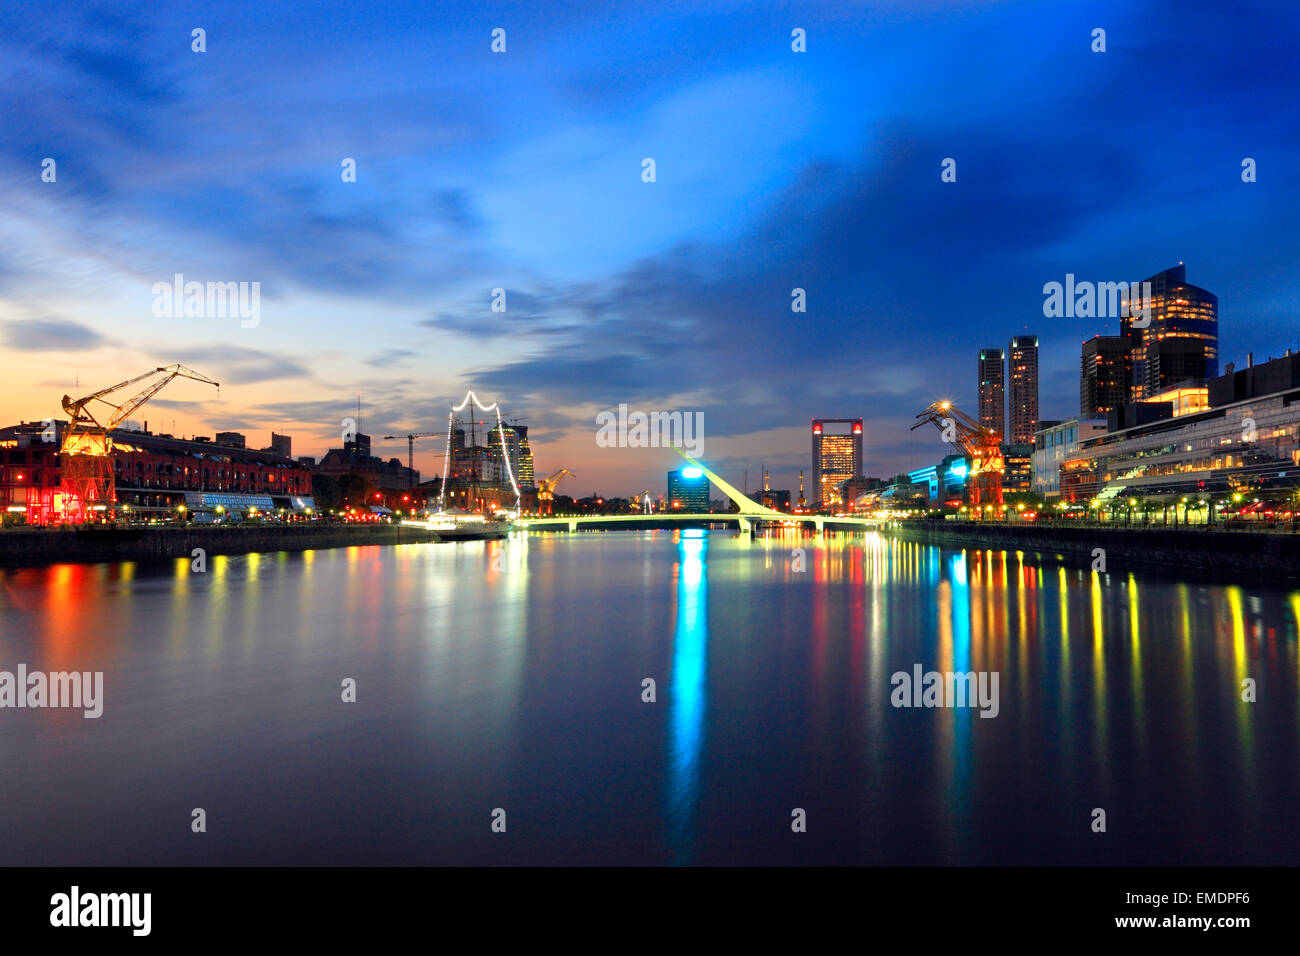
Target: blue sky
[[522, 170]]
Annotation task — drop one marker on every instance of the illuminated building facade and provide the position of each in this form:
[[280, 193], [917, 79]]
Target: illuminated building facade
[[993, 392], [777, 499], [1185, 399], [857, 488], [526, 477], [1018, 468], [945, 482], [1246, 441], [154, 475], [688, 491], [837, 457], [1182, 340], [1053, 444], [504, 447], [1022, 389]]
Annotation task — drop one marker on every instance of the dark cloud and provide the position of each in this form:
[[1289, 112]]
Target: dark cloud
[[50, 335]]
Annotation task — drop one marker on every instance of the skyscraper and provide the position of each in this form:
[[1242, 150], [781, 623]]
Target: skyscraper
[[1176, 361], [1022, 371], [525, 476], [993, 392], [1178, 311], [837, 456], [1104, 375], [503, 449]]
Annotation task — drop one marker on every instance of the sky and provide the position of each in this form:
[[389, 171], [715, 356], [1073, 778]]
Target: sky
[[523, 170]]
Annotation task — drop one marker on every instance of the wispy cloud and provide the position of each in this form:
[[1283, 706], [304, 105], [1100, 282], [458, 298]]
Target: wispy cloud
[[50, 335], [242, 366]]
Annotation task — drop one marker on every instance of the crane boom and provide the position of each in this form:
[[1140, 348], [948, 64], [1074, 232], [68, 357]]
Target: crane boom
[[77, 408], [88, 482], [548, 484], [410, 450]]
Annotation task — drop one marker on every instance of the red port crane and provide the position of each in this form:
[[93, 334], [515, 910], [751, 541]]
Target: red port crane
[[88, 484], [982, 446]]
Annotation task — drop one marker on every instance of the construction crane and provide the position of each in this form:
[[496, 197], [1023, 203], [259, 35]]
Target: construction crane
[[644, 501], [410, 450], [981, 445], [546, 488], [88, 483]]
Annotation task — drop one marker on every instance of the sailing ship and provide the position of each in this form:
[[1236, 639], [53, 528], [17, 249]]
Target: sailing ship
[[482, 519]]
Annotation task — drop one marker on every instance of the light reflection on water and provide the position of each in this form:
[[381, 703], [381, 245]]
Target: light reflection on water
[[509, 674], [689, 689]]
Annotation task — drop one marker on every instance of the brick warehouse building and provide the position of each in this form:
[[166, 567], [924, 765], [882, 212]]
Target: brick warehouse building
[[155, 475]]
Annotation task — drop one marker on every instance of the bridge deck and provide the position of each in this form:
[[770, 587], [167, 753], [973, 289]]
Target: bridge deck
[[744, 520]]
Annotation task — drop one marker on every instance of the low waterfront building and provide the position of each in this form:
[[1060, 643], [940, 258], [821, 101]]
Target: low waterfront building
[[1247, 442], [1052, 445], [905, 495], [945, 482], [154, 475], [1187, 398], [355, 458], [777, 499], [851, 489]]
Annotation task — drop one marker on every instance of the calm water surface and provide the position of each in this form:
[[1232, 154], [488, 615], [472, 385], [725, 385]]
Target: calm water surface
[[509, 674]]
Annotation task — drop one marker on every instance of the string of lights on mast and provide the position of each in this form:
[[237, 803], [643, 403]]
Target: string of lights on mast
[[474, 401]]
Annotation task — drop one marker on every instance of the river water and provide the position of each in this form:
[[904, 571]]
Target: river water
[[510, 676]]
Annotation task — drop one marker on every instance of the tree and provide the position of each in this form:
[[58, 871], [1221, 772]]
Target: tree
[[325, 493], [1030, 500], [332, 493], [358, 491]]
